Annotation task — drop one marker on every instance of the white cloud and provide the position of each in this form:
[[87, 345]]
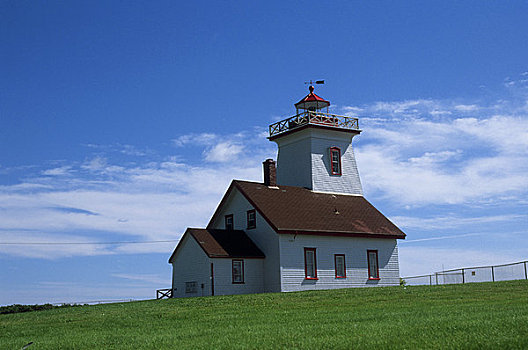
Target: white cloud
[[223, 152], [466, 108], [413, 153], [95, 164], [61, 171], [451, 221], [454, 160], [133, 201], [47, 249], [200, 139], [147, 278]]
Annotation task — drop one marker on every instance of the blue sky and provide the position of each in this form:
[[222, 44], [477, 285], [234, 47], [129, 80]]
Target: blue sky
[[126, 121]]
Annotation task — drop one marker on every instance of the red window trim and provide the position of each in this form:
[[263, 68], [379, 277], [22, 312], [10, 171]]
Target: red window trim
[[232, 222], [377, 265], [233, 271], [315, 264], [332, 149], [254, 221], [335, 265]]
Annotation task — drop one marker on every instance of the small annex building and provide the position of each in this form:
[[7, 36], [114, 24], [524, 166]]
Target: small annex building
[[306, 226]]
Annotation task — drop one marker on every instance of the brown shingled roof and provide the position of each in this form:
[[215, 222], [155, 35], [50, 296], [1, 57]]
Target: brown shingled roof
[[223, 243], [297, 210]]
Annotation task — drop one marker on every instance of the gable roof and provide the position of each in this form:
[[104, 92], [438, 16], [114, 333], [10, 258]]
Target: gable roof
[[223, 243], [297, 210]]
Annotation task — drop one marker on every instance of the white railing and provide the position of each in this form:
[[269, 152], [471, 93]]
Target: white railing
[[313, 118]]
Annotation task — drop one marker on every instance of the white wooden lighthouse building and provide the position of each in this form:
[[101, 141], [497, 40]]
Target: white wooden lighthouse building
[[306, 226]]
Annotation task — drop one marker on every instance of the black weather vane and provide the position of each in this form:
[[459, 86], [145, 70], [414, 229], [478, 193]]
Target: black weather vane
[[316, 82]]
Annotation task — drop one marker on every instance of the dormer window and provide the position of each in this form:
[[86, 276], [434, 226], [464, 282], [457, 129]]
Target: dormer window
[[229, 222], [335, 160]]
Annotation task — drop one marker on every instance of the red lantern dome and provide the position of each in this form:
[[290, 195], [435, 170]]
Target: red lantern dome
[[312, 102]]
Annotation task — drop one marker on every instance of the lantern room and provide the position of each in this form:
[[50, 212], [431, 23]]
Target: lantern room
[[312, 102], [309, 114]]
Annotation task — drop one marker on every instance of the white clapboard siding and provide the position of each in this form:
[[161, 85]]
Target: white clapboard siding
[[355, 251], [304, 161], [263, 236], [294, 167], [323, 180], [190, 264], [253, 281]]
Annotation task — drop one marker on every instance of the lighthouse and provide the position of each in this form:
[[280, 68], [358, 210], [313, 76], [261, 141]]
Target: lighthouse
[[307, 226], [315, 148]]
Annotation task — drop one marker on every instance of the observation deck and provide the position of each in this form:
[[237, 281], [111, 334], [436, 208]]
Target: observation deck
[[314, 118]]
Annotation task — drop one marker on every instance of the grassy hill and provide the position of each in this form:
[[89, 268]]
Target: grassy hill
[[474, 316]]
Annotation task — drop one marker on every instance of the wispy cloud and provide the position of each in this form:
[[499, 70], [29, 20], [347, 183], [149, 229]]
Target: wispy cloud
[[410, 156], [227, 148], [146, 278], [223, 152], [107, 199], [61, 171], [452, 221], [413, 154]]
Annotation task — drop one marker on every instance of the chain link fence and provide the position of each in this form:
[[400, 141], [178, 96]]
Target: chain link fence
[[504, 272]]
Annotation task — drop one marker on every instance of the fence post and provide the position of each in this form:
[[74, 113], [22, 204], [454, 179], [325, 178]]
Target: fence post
[[525, 275], [492, 274], [463, 276], [436, 275], [431, 276]]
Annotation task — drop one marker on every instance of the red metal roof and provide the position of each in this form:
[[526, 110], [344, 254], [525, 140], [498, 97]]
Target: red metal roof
[[311, 97]]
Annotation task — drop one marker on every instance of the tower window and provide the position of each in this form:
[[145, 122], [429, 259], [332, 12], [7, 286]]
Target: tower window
[[335, 160], [229, 222]]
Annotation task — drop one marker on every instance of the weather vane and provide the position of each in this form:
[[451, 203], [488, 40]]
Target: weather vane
[[312, 82]]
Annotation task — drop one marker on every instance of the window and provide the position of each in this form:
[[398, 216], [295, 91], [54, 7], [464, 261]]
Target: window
[[310, 264], [340, 267], [335, 160], [190, 287], [373, 270], [238, 271], [251, 219], [229, 222]]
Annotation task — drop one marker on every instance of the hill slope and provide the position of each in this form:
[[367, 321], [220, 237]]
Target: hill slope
[[480, 315]]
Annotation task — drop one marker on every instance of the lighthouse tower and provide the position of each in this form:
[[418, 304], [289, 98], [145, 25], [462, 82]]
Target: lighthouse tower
[[315, 148]]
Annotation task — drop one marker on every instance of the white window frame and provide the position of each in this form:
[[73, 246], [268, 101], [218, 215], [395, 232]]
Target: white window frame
[[229, 220], [310, 264], [335, 165], [237, 277], [191, 287], [340, 264], [252, 223], [373, 266]]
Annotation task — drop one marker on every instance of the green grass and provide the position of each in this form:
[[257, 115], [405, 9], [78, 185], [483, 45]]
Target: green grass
[[470, 316]]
